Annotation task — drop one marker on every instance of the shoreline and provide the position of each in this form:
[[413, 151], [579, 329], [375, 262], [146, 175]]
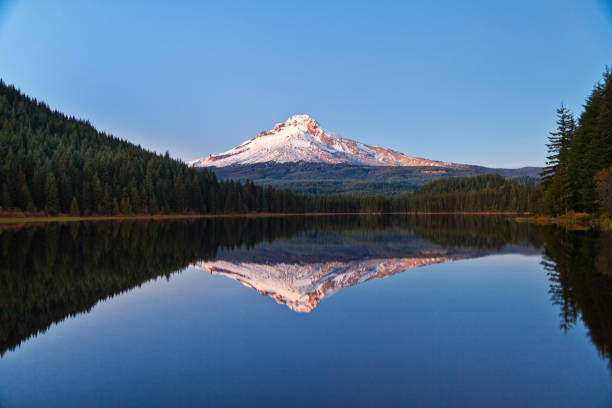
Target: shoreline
[[570, 221], [66, 218]]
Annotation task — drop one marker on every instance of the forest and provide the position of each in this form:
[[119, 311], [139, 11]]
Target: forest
[[578, 175], [482, 193], [53, 164]]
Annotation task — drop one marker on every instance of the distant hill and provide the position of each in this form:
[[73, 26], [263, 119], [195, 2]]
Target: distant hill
[[324, 178]]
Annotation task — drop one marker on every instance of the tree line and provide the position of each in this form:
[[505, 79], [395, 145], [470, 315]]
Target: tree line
[[55, 164], [578, 172], [482, 193]]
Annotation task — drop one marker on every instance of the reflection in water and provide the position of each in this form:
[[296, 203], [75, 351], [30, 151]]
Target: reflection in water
[[302, 287], [53, 271], [49, 272], [579, 265], [301, 271]]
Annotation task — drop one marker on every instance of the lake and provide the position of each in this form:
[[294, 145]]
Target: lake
[[397, 310]]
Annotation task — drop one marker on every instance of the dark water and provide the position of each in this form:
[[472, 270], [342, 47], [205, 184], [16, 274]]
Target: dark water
[[432, 311]]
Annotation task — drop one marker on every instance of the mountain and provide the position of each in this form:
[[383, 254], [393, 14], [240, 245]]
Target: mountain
[[301, 139], [301, 156]]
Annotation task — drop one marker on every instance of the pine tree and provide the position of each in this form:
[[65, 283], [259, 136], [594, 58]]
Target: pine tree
[[153, 207], [52, 205], [555, 176], [74, 207], [6, 202], [24, 199], [135, 200], [558, 143], [115, 210], [107, 204], [591, 147], [126, 207], [603, 189]]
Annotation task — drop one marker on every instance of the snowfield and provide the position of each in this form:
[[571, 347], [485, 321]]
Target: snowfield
[[300, 138]]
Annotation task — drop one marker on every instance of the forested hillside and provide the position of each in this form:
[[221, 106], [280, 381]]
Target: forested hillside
[[54, 164], [326, 178], [467, 194], [578, 176]]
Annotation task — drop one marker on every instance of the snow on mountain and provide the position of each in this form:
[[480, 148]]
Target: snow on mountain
[[300, 138]]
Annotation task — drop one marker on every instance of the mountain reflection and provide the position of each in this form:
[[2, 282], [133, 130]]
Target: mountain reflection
[[52, 271], [301, 271]]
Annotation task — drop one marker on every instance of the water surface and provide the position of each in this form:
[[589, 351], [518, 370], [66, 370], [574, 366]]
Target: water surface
[[300, 311]]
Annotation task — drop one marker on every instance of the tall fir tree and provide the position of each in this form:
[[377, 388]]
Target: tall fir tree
[[74, 207], [52, 204], [555, 176]]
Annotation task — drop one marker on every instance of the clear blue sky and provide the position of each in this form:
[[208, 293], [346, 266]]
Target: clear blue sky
[[472, 82]]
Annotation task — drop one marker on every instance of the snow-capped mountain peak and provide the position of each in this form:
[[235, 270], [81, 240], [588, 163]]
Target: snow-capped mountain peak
[[301, 138]]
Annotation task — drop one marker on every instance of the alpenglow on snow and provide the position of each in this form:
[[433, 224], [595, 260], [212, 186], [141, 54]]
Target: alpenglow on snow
[[300, 138]]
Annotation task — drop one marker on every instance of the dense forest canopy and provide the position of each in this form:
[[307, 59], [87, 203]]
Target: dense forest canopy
[[468, 194], [578, 176], [57, 164]]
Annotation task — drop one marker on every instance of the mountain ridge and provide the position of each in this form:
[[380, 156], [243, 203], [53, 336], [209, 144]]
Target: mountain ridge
[[301, 139]]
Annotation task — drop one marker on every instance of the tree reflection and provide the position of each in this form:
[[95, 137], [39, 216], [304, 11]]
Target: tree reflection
[[51, 271], [579, 265]]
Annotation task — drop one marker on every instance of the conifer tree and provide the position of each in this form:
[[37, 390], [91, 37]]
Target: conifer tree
[[52, 205], [569, 177], [603, 189], [125, 206], [115, 210], [153, 207], [74, 207], [558, 143], [555, 176], [107, 205], [6, 202]]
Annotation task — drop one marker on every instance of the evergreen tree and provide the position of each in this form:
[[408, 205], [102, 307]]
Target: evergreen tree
[[106, 205], [555, 176], [603, 189], [153, 207], [125, 206], [558, 143], [24, 199], [74, 207], [52, 205], [569, 178], [115, 210], [6, 202]]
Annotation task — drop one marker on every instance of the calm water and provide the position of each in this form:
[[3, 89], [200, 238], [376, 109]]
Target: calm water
[[317, 311]]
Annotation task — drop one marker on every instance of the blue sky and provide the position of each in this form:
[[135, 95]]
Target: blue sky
[[472, 82]]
